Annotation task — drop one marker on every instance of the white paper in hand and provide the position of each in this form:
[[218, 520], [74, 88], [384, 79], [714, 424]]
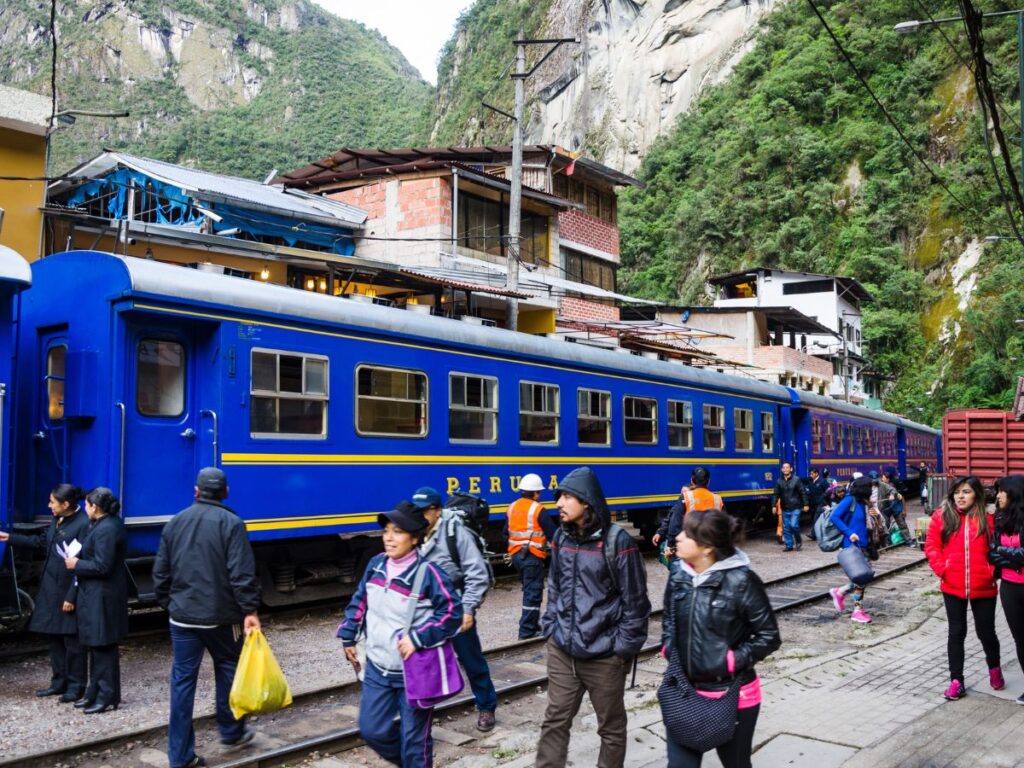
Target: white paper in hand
[[70, 549]]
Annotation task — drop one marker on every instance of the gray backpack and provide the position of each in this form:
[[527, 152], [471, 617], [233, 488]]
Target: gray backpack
[[829, 537]]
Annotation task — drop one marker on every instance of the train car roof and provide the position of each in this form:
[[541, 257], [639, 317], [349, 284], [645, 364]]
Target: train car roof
[[14, 268], [812, 400]]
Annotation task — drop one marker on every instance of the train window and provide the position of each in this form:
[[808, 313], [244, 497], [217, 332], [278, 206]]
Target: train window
[[830, 442], [640, 420], [55, 367], [680, 424], [288, 394], [743, 428], [867, 440], [860, 441], [391, 402], [816, 435], [714, 428], [160, 390], [767, 432], [849, 440], [593, 417], [839, 440], [472, 408], [538, 413]]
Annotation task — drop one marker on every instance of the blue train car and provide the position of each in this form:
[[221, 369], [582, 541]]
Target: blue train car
[[325, 412]]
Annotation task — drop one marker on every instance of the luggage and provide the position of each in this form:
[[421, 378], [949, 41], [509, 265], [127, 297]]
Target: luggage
[[855, 565], [829, 537]]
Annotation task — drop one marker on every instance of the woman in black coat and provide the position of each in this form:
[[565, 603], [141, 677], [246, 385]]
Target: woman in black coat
[[54, 614], [102, 599]]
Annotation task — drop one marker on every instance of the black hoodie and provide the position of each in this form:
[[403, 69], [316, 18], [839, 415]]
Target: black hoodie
[[590, 614]]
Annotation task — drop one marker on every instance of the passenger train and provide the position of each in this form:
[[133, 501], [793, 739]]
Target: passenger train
[[324, 412]]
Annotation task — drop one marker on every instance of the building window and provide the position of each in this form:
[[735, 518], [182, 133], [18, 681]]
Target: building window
[[391, 402], [593, 417], [808, 286], [483, 225], [680, 424], [767, 432], [538, 413], [830, 442], [589, 270], [56, 357], [743, 429], [714, 428], [160, 389], [288, 394], [640, 420], [472, 408]]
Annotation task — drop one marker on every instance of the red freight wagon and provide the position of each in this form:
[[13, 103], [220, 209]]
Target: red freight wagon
[[982, 442]]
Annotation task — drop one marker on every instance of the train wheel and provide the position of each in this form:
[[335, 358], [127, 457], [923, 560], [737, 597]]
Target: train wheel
[[20, 622]]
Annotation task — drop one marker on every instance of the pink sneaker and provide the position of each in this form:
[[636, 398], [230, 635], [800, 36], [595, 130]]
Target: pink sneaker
[[995, 679], [860, 616], [838, 598], [955, 691]]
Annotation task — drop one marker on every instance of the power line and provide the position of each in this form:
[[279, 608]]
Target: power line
[[53, 61]]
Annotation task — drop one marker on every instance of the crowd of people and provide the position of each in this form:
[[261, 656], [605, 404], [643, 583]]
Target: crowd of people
[[417, 603]]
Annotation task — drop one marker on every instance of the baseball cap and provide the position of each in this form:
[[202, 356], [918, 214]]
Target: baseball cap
[[211, 480], [426, 497], [406, 516]]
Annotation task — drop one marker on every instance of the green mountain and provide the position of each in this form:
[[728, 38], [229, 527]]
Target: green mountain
[[233, 86]]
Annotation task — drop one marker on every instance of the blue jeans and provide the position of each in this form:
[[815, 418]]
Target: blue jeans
[[187, 645], [791, 526], [531, 573], [471, 657], [408, 742]]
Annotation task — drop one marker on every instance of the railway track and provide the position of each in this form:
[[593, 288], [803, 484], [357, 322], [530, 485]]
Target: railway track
[[324, 721]]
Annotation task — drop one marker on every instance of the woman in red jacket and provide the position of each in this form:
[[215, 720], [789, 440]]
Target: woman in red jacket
[[957, 550]]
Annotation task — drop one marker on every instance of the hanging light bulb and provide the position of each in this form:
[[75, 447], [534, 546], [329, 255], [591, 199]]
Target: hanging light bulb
[[310, 284], [371, 292], [323, 285], [264, 274]]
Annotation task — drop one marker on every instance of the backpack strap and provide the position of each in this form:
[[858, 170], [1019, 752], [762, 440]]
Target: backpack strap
[[611, 553], [451, 536]]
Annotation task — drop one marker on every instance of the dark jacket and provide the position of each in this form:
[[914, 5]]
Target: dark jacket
[[102, 605], [205, 572], [591, 613], [816, 490], [791, 492], [728, 609], [57, 583]]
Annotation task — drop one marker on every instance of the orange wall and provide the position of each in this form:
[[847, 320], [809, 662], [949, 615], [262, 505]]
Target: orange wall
[[22, 154]]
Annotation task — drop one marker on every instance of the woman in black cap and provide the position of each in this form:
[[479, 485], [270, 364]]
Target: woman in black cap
[[102, 599], [378, 609]]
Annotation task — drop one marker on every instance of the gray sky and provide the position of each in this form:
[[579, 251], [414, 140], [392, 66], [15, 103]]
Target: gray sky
[[418, 28]]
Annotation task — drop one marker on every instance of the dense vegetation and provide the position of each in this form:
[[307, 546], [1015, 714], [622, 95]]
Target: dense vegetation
[[791, 164]]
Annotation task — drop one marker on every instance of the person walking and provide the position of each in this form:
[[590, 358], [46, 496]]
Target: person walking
[[922, 476], [720, 623], [450, 546], [957, 550], [1007, 555], [54, 614], [102, 603], [790, 498], [528, 529], [850, 516], [817, 488], [205, 577], [380, 610], [692, 497], [891, 506], [595, 621]]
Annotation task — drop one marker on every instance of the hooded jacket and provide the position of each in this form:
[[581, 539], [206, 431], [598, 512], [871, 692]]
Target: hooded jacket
[[592, 613], [962, 563], [708, 614]]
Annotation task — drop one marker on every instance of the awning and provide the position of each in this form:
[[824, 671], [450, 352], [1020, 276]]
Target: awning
[[462, 285]]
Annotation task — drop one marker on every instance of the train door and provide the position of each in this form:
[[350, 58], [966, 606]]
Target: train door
[[800, 441], [51, 442], [901, 453]]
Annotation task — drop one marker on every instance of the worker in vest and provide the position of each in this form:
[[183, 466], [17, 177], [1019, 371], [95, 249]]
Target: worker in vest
[[530, 528], [692, 498]]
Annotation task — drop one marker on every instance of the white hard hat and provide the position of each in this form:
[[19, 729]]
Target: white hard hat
[[531, 482]]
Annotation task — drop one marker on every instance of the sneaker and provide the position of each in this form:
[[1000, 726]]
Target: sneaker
[[1020, 699], [195, 762], [995, 679], [787, 549], [838, 598], [860, 616], [955, 691], [485, 722], [247, 735]]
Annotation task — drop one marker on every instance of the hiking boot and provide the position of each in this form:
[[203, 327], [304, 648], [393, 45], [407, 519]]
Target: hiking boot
[[485, 722], [838, 598], [860, 616], [995, 679], [955, 691]]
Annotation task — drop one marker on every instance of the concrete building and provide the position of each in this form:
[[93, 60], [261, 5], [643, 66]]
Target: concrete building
[[24, 132]]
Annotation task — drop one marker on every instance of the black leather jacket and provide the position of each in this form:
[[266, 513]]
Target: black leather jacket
[[727, 610], [791, 493]]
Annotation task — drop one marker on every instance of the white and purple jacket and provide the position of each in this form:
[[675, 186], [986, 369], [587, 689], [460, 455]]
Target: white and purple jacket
[[380, 608]]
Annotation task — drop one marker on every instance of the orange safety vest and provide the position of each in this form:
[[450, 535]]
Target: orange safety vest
[[524, 528], [699, 499]]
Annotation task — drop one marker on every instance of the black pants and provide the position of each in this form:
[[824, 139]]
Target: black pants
[[105, 674], [984, 610], [67, 663], [1011, 595], [531, 573], [733, 754]]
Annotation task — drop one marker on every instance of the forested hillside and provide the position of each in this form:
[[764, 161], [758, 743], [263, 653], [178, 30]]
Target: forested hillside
[[791, 164]]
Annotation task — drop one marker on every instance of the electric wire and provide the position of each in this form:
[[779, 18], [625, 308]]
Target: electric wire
[[53, 61]]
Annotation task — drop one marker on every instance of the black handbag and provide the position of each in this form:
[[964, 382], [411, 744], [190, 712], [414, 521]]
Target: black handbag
[[697, 722]]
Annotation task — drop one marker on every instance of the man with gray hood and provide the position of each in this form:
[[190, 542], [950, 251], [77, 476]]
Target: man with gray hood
[[595, 622]]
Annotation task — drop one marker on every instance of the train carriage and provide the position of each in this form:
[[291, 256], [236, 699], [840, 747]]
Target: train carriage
[[325, 411]]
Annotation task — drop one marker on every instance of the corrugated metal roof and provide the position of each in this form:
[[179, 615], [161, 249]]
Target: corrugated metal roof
[[243, 193], [462, 285]]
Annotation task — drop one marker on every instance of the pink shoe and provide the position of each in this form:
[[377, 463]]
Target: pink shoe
[[838, 598], [860, 616], [995, 679], [955, 691]]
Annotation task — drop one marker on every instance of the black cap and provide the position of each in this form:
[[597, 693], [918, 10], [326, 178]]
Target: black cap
[[406, 516], [211, 481]]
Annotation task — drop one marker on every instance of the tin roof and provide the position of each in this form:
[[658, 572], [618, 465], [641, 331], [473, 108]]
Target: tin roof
[[847, 285]]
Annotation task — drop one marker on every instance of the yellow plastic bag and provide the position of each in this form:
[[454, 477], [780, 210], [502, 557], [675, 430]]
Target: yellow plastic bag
[[259, 686]]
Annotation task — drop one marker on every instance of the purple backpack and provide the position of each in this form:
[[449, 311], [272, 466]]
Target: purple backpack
[[431, 674]]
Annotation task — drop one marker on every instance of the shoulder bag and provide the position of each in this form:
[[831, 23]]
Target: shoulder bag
[[697, 722], [431, 674]]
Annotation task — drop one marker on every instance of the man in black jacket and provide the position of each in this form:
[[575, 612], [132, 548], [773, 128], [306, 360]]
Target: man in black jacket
[[817, 487], [791, 495], [205, 576]]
